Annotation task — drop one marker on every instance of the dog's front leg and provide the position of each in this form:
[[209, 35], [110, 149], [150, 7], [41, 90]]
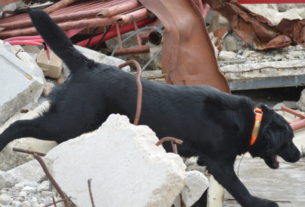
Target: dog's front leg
[[226, 176]]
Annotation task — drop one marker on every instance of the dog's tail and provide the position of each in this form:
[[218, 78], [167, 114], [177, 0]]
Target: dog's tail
[[58, 41]]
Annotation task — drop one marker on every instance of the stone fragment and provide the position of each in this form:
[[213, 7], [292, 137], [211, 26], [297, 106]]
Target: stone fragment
[[51, 68], [296, 53], [28, 172], [48, 194], [247, 53], [47, 88], [277, 57], [277, 107], [142, 174], [226, 55], [29, 189], [286, 7], [9, 158], [44, 186], [26, 204], [21, 84], [219, 21], [16, 203], [231, 44], [5, 199], [31, 49], [196, 184]]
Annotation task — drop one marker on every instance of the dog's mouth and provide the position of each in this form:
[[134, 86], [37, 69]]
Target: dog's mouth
[[272, 161]]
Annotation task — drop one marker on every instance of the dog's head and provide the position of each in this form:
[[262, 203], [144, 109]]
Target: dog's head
[[275, 139]]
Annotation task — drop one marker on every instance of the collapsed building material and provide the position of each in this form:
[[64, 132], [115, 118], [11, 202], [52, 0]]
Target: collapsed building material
[[256, 30], [142, 174], [186, 46], [51, 67], [195, 186], [23, 83], [265, 74], [10, 159]]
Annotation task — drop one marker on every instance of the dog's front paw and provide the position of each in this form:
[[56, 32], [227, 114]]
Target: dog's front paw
[[259, 202]]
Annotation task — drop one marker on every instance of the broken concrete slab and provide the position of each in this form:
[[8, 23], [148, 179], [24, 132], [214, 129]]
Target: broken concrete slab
[[196, 185], [21, 84], [51, 67], [141, 174], [9, 158], [219, 21], [268, 69], [301, 103], [28, 172], [101, 58]]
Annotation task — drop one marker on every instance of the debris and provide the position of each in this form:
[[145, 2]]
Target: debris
[[195, 186], [278, 106], [23, 84], [144, 175], [301, 103], [10, 159], [218, 22], [44, 186], [226, 55], [51, 67], [47, 88]]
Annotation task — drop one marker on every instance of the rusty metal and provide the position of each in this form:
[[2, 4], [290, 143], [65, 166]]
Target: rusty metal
[[54, 201], [58, 5], [90, 192], [188, 56], [118, 9], [172, 140], [256, 30], [24, 111], [182, 201], [138, 14], [297, 124], [63, 17], [112, 33], [140, 90], [291, 111], [265, 67], [144, 37], [48, 174], [132, 51], [17, 54], [27, 151], [57, 201], [155, 38]]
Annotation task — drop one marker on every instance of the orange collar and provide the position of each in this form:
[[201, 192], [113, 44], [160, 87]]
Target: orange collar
[[258, 119]]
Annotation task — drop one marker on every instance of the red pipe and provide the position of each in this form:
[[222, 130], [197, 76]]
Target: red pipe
[[144, 37], [112, 32], [291, 111], [298, 125]]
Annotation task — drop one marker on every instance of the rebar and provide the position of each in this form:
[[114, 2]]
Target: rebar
[[48, 174], [57, 201], [90, 192], [27, 151], [140, 90]]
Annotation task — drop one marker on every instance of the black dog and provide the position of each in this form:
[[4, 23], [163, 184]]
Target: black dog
[[215, 126]]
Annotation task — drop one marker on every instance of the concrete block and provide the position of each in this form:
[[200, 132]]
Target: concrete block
[[231, 44], [9, 158], [219, 21], [101, 58], [125, 165], [242, 71], [51, 68], [21, 82], [226, 55]]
